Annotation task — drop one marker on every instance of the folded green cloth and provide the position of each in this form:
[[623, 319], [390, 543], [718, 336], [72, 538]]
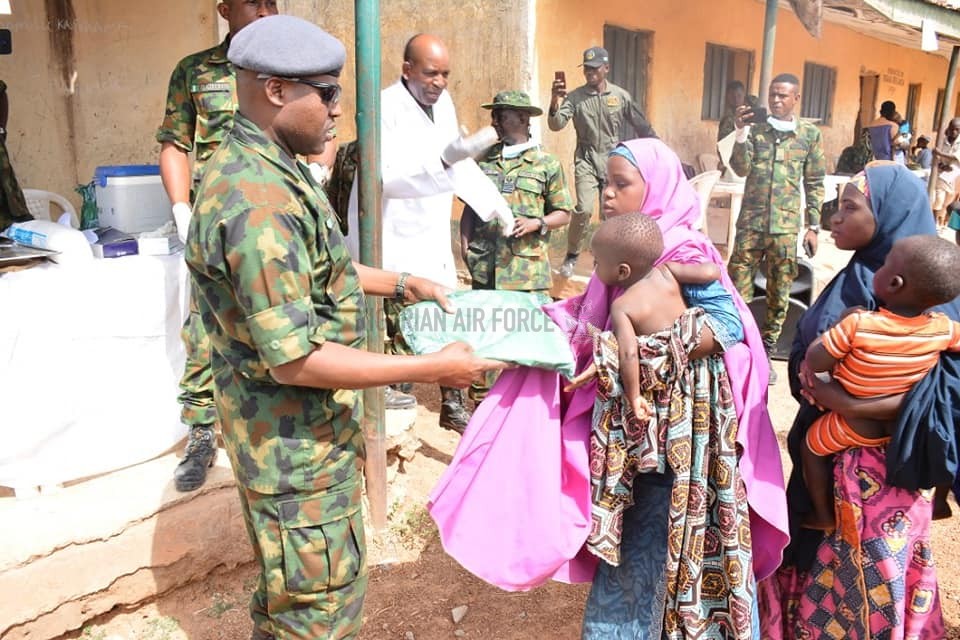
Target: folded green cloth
[[501, 325]]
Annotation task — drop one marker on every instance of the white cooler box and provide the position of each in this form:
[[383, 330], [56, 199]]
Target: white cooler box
[[131, 198]]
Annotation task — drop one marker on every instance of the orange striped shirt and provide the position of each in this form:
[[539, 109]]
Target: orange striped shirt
[[880, 353]]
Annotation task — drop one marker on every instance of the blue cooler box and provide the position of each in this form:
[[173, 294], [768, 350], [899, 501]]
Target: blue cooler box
[[131, 198]]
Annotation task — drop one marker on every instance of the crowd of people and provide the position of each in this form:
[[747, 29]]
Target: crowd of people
[[673, 502]]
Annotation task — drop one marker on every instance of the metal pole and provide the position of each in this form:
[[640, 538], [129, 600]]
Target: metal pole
[[769, 42], [945, 116], [368, 135]]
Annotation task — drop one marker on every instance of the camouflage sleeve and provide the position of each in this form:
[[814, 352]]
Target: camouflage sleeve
[[814, 168], [741, 159], [269, 266], [557, 196], [557, 121], [180, 118]]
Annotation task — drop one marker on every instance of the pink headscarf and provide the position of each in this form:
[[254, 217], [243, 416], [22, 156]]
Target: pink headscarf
[[673, 203]]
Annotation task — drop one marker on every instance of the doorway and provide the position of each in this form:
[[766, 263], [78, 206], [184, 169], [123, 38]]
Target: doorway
[[869, 84], [629, 60]]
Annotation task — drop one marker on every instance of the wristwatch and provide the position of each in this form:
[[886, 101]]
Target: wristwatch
[[399, 293], [814, 227], [543, 227]]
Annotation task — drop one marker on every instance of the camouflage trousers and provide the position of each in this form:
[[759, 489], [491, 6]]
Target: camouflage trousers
[[196, 384], [589, 190], [312, 556], [13, 206], [779, 253]]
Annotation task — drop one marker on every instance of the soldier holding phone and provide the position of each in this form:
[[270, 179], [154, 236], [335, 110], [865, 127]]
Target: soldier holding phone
[[603, 115], [779, 154]]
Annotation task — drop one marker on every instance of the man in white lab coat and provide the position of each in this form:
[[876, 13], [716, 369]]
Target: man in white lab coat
[[420, 141]]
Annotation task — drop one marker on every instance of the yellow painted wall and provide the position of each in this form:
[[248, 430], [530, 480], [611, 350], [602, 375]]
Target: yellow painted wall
[[681, 31]]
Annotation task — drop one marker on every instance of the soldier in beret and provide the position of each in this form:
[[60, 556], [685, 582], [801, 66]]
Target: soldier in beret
[[283, 305], [532, 182]]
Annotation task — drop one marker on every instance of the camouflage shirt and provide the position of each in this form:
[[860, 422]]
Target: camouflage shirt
[[201, 100], [275, 282], [602, 120], [534, 186], [775, 163]]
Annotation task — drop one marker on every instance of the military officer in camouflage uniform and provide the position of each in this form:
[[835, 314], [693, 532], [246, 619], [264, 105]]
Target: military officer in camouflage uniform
[[13, 206], [603, 115], [283, 307], [531, 180], [201, 100], [779, 157]]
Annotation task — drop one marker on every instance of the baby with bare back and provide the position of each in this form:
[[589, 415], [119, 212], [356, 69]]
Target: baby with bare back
[[626, 249]]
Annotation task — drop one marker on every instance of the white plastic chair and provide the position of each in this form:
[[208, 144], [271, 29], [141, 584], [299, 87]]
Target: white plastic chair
[[703, 184], [39, 201]]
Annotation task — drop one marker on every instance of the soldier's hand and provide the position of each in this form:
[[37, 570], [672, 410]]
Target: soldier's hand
[[810, 243], [461, 367], [558, 90], [522, 226], [419, 289], [744, 112]]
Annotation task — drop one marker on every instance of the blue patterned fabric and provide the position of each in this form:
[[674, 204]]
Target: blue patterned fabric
[[626, 602]]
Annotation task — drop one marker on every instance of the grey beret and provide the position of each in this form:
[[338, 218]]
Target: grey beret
[[286, 46]]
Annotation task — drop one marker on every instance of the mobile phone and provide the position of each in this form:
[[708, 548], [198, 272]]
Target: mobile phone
[[759, 115], [561, 77], [808, 248], [6, 42]]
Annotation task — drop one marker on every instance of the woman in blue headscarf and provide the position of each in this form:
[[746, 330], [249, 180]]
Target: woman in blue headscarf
[[873, 577]]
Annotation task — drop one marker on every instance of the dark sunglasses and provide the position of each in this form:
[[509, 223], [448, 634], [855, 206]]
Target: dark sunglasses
[[329, 93]]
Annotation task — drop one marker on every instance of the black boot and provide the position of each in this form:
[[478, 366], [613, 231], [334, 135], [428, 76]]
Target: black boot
[[772, 378], [453, 415], [566, 269], [200, 454], [394, 399]]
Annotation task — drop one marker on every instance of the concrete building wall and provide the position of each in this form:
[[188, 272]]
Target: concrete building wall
[[681, 32], [102, 104], [486, 38]]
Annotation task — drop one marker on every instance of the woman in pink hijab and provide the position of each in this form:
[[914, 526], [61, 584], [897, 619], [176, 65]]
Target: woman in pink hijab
[[514, 505]]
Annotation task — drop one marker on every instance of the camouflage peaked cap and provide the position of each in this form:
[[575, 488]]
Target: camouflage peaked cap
[[513, 100]]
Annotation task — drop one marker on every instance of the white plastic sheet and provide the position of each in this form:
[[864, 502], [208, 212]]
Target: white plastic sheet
[[90, 359]]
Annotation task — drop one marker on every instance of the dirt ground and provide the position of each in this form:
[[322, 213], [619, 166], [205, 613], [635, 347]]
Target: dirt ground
[[414, 585]]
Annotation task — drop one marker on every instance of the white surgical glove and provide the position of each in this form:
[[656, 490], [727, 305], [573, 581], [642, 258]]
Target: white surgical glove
[[469, 146], [181, 215], [320, 172]]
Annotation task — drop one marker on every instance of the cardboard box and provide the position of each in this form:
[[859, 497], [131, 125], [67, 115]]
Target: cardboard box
[[113, 243]]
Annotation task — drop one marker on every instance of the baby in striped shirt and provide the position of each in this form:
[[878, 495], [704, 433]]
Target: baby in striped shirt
[[881, 353]]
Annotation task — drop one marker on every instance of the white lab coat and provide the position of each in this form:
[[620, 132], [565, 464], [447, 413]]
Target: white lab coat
[[418, 191]]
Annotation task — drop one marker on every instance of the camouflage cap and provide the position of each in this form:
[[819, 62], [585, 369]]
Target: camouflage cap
[[595, 57], [513, 100], [286, 46]]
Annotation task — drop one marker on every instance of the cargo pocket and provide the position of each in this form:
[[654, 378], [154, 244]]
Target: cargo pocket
[[322, 541]]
